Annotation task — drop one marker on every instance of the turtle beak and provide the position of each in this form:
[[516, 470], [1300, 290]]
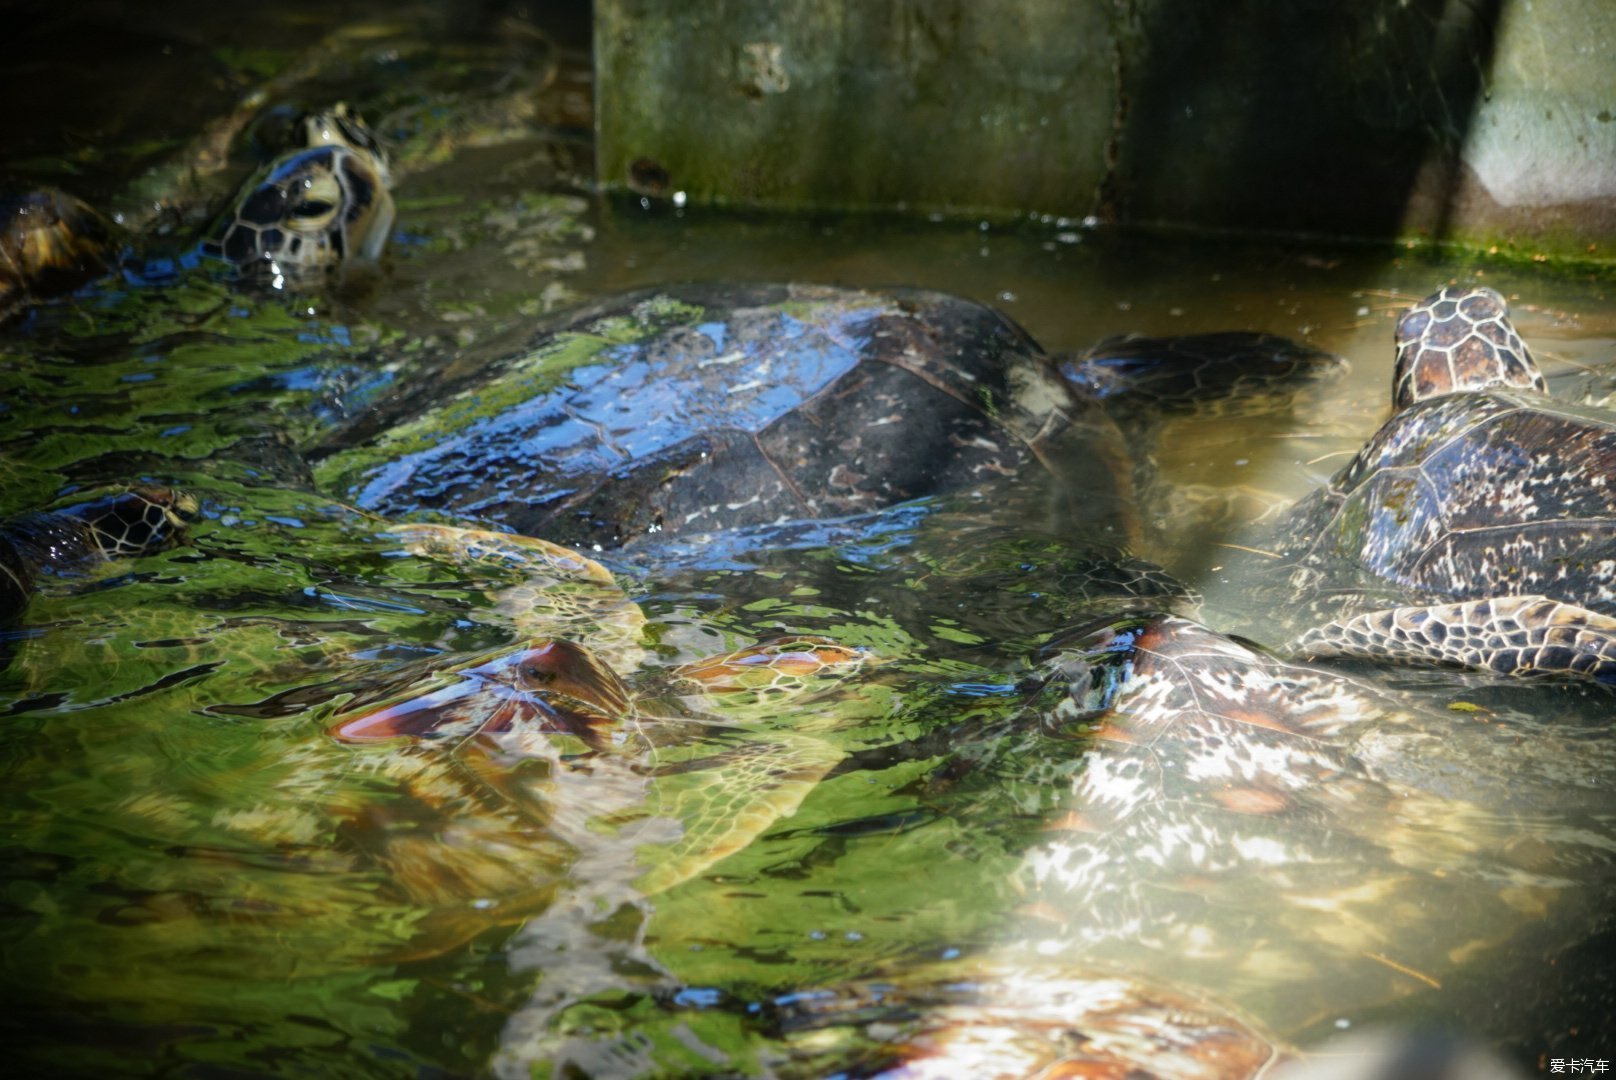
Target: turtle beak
[[555, 686]]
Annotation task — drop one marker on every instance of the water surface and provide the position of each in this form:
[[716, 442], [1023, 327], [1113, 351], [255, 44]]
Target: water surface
[[199, 881]]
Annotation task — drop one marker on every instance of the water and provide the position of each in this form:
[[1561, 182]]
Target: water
[[199, 881]]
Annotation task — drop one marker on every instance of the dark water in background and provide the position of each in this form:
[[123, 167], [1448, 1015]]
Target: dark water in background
[[198, 882]]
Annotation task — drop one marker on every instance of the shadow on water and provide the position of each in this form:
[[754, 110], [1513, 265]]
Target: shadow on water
[[1303, 117]]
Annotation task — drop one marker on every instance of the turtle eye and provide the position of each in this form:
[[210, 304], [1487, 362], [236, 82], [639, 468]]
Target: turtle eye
[[312, 208]]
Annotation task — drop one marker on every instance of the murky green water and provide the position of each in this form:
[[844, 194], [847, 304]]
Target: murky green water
[[199, 881]]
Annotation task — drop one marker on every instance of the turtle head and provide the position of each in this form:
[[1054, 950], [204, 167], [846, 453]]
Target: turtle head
[[312, 210], [548, 686], [50, 243], [136, 522], [1089, 666], [1460, 339]]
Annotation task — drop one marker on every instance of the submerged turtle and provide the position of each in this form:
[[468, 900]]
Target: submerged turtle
[[1014, 1022], [511, 704], [975, 1017], [1045, 1020], [125, 525], [1488, 501], [706, 407], [1250, 823], [520, 767]]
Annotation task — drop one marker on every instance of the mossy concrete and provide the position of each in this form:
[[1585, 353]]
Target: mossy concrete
[[799, 103], [1488, 123]]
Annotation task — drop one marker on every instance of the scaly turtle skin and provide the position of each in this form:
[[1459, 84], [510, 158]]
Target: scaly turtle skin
[[137, 522], [50, 243], [311, 210], [1484, 497], [707, 407]]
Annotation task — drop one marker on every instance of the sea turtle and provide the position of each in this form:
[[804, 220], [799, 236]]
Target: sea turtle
[[322, 203], [975, 1017], [690, 409], [1482, 501], [715, 786], [126, 524], [1017, 1022], [455, 792], [1010, 1022], [321, 196], [1236, 820]]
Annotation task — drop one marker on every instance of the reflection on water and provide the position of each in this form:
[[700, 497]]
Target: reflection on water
[[198, 876]]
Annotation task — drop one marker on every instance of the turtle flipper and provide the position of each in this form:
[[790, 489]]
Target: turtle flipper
[[1511, 635], [724, 801], [1238, 369], [542, 589], [122, 526], [770, 673]]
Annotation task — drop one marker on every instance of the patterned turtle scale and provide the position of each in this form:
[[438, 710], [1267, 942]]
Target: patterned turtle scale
[[1479, 488], [120, 526], [311, 210]]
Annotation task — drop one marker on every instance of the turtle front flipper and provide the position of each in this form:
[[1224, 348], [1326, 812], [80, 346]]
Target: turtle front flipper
[[1510, 635], [137, 522], [1237, 369], [723, 800], [548, 687]]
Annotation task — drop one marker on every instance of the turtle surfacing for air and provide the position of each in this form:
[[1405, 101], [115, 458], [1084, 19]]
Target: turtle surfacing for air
[[1483, 496], [317, 208], [132, 523], [311, 210]]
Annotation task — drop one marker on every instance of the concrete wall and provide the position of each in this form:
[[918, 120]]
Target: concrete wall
[[1481, 121]]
